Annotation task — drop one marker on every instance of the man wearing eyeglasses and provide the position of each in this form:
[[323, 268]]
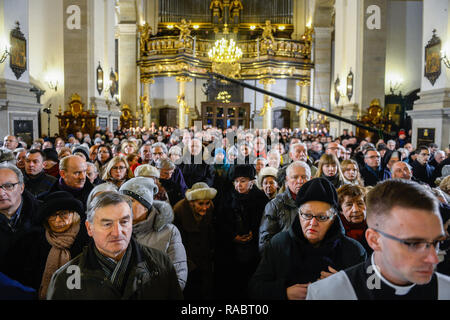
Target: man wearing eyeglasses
[[372, 172], [405, 230], [422, 171], [18, 208]]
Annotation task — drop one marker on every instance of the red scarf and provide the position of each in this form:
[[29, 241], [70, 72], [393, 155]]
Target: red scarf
[[354, 230]]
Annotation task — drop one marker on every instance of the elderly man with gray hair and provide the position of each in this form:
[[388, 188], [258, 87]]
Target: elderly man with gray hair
[[281, 211], [114, 265], [18, 208]]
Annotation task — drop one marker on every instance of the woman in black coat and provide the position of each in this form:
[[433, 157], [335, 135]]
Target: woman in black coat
[[314, 247], [40, 252], [237, 226]]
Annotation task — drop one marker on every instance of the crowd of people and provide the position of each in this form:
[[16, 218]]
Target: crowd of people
[[206, 213]]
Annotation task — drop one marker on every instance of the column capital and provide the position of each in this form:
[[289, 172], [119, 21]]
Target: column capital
[[303, 83], [183, 79], [148, 80], [267, 81]]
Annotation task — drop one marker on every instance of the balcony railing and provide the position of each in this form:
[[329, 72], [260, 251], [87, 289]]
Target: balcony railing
[[198, 48]]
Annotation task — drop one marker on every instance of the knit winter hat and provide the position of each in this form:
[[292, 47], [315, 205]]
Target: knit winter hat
[[317, 189], [60, 200], [141, 189], [146, 170], [244, 170], [50, 154], [265, 172], [83, 149], [200, 191]]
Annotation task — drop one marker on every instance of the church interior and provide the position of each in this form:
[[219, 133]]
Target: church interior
[[107, 63]]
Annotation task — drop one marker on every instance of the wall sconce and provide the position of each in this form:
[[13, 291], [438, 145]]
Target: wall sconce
[[337, 94], [395, 82], [99, 79], [350, 85], [445, 58], [53, 84], [52, 80], [5, 47]]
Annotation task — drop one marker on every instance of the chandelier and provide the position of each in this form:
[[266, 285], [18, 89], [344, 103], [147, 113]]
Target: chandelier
[[225, 51], [225, 56]]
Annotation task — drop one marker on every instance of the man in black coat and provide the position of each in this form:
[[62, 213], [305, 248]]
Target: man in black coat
[[422, 171], [18, 208], [194, 168], [314, 247], [372, 172], [36, 180], [73, 179]]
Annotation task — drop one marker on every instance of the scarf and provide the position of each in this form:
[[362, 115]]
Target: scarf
[[59, 254], [115, 271], [53, 171], [354, 230]]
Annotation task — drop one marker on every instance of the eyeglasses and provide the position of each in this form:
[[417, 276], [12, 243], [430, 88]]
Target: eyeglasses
[[8, 186], [62, 215], [118, 168], [419, 246], [323, 217]]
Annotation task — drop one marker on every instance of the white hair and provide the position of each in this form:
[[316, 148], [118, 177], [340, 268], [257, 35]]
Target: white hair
[[297, 164]]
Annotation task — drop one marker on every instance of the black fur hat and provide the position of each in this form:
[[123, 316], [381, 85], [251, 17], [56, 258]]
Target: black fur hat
[[60, 200]]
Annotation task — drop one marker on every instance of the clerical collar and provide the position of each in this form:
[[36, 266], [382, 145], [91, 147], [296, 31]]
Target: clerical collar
[[399, 290]]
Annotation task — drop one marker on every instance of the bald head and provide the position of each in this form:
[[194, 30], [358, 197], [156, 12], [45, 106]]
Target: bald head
[[73, 171]]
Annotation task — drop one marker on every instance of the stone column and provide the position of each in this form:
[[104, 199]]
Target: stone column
[[322, 69], [432, 110], [146, 102], [128, 80], [182, 103], [304, 98], [267, 116]]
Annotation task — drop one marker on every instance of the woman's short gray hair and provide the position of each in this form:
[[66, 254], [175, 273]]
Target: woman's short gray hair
[[105, 199], [161, 145]]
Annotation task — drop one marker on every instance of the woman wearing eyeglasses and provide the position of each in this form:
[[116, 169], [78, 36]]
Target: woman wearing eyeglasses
[[314, 247], [42, 251], [117, 171]]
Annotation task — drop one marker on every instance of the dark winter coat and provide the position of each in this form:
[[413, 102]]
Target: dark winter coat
[[278, 216], [151, 276], [238, 215], [198, 240], [372, 177], [28, 219], [196, 171], [40, 185], [26, 261], [423, 173], [290, 259]]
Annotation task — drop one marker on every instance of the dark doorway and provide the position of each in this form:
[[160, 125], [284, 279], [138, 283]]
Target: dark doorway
[[281, 118], [168, 117]]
